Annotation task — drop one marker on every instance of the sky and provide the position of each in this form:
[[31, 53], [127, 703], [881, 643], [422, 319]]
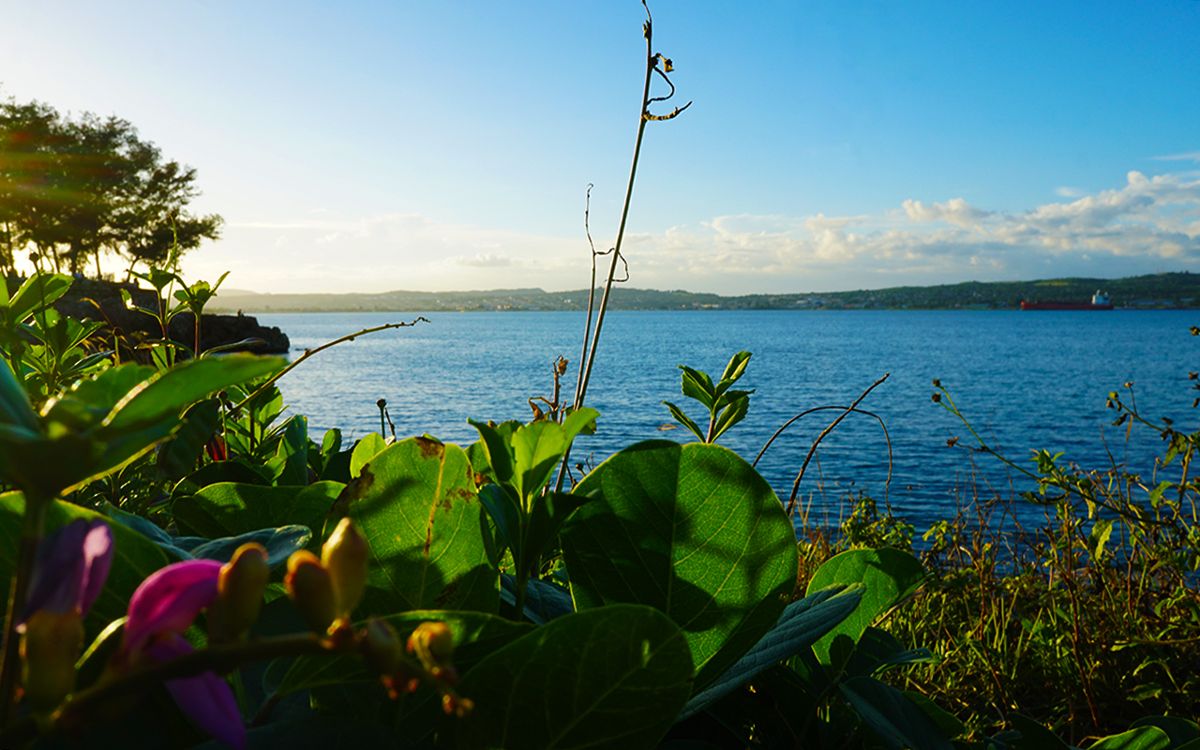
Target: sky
[[369, 146]]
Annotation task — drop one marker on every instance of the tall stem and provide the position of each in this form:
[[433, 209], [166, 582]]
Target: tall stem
[[586, 374]]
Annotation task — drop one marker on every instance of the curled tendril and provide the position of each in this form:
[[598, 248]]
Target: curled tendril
[[662, 65]]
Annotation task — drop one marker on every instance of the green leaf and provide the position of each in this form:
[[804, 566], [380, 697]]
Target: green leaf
[[876, 651], [476, 636], [368, 447], [888, 576], [697, 385], [280, 543], [1099, 536], [497, 449], [234, 470], [87, 404], [417, 506], [544, 601], [692, 530], [684, 420], [39, 291], [892, 716], [536, 448], [800, 625], [134, 558], [1142, 738], [228, 509], [505, 513], [613, 677], [581, 421], [949, 724], [177, 457], [1033, 736], [290, 462], [549, 513], [15, 408], [179, 387], [733, 371], [1178, 729]]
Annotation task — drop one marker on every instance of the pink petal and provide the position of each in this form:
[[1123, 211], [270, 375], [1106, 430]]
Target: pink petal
[[97, 559], [169, 600], [206, 699]]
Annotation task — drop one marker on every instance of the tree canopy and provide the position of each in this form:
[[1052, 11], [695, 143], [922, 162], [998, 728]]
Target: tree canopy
[[72, 188]]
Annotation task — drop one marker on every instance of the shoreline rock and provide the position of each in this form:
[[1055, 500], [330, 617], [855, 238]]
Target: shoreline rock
[[101, 301]]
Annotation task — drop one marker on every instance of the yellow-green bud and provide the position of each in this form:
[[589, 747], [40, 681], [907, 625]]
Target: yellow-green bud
[[239, 593], [345, 556], [433, 644], [49, 647], [381, 647], [311, 590]]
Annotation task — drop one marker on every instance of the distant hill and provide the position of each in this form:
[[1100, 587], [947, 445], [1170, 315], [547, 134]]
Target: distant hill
[[1164, 290]]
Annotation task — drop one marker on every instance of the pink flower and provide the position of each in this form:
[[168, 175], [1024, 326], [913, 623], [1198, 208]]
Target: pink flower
[[162, 608]]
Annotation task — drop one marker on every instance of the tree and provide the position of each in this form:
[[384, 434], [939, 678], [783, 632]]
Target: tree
[[73, 188]]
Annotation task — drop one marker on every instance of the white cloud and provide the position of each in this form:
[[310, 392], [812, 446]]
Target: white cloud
[[1148, 224]]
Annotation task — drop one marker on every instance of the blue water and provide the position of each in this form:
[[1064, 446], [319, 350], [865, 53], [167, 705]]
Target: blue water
[[1026, 380]]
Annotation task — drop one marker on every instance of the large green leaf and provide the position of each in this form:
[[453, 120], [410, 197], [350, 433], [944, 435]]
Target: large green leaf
[[417, 506], [183, 385], [476, 636], [801, 624], [692, 530], [892, 716], [134, 556], [228, 509], [613, 677], [1180, 730], [1141, 738], [39, 291], [888, 576]]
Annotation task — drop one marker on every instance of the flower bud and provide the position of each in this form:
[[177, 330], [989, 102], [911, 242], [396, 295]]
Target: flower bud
[[345, 556], [433, 644], [381, 647], [49, 647], [239, 593], [311, 590]]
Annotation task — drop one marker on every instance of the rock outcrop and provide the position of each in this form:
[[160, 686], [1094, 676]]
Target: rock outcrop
[[101, 301]]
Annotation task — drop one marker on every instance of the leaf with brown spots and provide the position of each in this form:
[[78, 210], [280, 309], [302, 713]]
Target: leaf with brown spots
[[420, 516]]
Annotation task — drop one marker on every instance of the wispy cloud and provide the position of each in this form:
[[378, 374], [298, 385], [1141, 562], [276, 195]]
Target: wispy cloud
[[1149, 223], [1185, 156]]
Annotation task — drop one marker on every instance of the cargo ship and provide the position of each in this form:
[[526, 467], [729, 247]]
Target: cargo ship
[[1100, 301]]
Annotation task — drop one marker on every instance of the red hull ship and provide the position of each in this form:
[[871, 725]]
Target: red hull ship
[[1100, 301]]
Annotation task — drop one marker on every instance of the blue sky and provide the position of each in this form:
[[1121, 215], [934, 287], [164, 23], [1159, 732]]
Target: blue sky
[[373, 146]]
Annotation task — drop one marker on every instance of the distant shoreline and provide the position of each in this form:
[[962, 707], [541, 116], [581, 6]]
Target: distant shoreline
[[253, 311], [1165, 291]]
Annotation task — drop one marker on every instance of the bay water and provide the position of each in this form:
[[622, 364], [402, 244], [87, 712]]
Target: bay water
[[1025, 380]]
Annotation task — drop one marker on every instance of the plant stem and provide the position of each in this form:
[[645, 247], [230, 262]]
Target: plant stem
[[31, 534], [586, 373], [222, 658], [317, 350]]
